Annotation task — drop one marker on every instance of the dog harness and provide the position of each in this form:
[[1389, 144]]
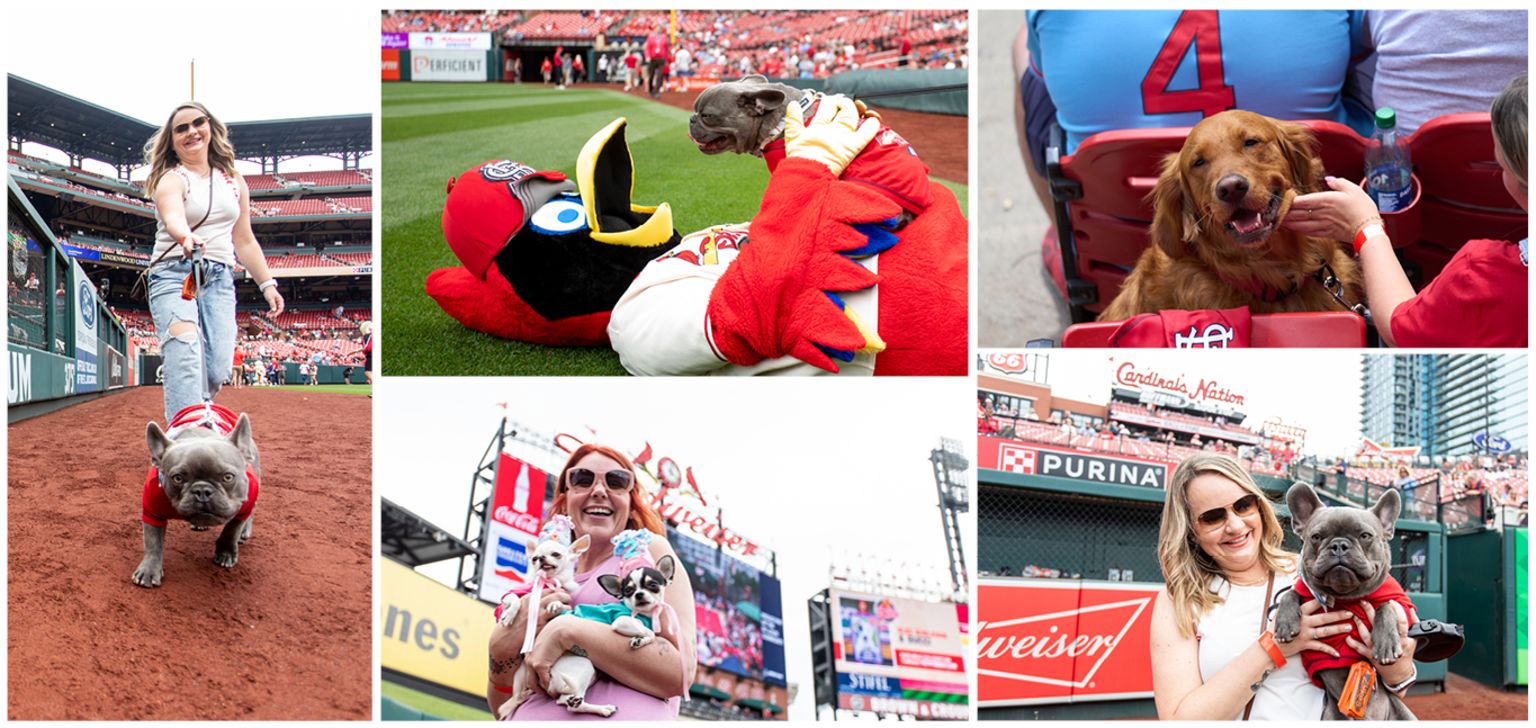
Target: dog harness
[[158, 509], [1315, 662]]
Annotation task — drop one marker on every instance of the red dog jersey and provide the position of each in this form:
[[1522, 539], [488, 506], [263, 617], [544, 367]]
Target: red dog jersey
[[158, 509], [1314, 661]]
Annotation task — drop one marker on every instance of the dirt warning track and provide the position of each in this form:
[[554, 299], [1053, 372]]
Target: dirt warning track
[[283, 635]]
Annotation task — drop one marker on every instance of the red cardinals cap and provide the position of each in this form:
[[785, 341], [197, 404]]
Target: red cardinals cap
[[489, 203], [1228, 328]]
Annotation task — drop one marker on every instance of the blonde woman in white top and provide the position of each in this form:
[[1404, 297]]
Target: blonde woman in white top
[[201, 203], [1213, 650]]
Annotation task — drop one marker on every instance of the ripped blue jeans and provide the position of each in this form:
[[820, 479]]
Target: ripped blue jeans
[[193, 361]]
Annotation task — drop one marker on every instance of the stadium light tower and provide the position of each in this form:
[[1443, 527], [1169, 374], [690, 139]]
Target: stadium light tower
[[950, 474], [483, 487]]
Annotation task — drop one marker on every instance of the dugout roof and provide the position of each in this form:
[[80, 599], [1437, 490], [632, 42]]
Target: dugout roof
[[75, 126], [413, 541]]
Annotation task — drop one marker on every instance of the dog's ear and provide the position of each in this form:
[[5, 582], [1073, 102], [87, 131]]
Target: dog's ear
[[667, 566], [611, 584], [158, 442], [241, 438], [580, 546], [761, 101], [1304, 504], [1300, 150], [1386, 509], [1174, 222]]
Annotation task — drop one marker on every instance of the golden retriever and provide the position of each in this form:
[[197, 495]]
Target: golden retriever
[[1216, 235]]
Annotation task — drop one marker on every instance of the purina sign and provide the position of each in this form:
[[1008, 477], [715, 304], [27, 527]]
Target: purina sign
[[1054, 641], [1030, 458]]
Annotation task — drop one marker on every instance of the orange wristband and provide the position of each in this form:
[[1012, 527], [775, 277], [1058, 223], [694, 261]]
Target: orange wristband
[[1267, 641]]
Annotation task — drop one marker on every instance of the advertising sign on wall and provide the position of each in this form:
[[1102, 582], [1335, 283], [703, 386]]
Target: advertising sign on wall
[[1060, 641], [895, 655], [517, 506], [395, 41], [431, 632], [448, 65], [450, 41], [1030, 458], [738, 609], [87, 317], [389, 65]]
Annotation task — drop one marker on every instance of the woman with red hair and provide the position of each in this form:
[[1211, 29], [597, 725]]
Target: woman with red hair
[[600, 492]]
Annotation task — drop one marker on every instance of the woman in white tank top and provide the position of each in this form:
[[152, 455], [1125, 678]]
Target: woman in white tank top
[[1212, 647], [200, 202]]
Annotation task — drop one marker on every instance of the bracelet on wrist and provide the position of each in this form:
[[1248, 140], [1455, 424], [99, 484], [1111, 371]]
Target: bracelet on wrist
[[1371, 228], [1412, 678], [1267, 641], [268, 283]]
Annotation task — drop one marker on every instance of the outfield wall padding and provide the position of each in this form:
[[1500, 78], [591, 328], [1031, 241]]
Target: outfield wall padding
[[870, 85]]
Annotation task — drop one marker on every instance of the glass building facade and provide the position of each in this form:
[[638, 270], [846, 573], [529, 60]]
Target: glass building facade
[[1442, 402]]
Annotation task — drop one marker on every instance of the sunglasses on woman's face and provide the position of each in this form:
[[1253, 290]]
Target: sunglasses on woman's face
[[182, 128], [1215, 517], [582, 479]]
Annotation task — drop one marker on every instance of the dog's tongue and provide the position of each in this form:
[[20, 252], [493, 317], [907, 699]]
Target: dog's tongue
[[1245, 221]]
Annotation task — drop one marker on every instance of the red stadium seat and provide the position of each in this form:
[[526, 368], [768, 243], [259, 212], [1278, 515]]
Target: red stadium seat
[[1332, 329], [1462, 196], [1102, 212]]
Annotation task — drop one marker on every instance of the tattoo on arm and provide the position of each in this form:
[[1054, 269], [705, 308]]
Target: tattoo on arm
[[577, 650], [501, 667]]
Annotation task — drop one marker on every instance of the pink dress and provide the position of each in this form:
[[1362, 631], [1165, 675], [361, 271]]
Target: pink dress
[[632, 704]]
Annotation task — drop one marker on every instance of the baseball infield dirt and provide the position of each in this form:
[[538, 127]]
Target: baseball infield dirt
[[285, 634], [941, 140], [1467, 699]]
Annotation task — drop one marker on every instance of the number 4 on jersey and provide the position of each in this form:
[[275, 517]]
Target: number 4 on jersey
[[1202, 30]]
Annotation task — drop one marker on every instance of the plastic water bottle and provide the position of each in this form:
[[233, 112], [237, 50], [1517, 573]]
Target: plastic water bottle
[[1388, 169]]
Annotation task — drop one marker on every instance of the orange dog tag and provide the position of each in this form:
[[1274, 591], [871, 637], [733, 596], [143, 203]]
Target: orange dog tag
[[1358, 688]]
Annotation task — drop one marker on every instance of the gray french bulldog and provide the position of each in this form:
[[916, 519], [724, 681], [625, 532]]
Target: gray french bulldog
[[740, 116], [203, 475], [1345, 557]]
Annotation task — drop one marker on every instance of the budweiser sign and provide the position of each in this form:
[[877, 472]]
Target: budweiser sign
[[683, 517], [1202, 390], [1054, 641]]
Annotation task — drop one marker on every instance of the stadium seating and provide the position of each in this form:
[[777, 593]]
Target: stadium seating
[[564, 26], [1333, 329], [1461, 194], [1102, 212], [444, 21]]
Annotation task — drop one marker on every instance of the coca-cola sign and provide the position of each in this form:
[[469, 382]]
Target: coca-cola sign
[[518, 500], [1054, 641]]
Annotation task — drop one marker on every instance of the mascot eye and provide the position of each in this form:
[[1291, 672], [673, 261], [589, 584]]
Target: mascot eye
[[560, 216], [1251, 143]]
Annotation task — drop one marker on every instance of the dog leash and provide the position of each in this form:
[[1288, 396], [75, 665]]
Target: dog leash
[[1335, 288]]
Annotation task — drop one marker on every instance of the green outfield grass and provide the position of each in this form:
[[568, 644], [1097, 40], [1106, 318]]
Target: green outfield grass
[[435, 131], [445, 709], [334, 388]]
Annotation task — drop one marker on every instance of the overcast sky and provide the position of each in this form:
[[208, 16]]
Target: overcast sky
[[1318, 389], [816, 469], [254, 62]]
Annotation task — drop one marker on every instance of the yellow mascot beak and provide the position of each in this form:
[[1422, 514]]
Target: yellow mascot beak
[[605, 177]]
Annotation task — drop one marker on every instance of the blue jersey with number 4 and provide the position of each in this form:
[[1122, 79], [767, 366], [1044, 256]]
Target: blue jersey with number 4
[[1117, 69]]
